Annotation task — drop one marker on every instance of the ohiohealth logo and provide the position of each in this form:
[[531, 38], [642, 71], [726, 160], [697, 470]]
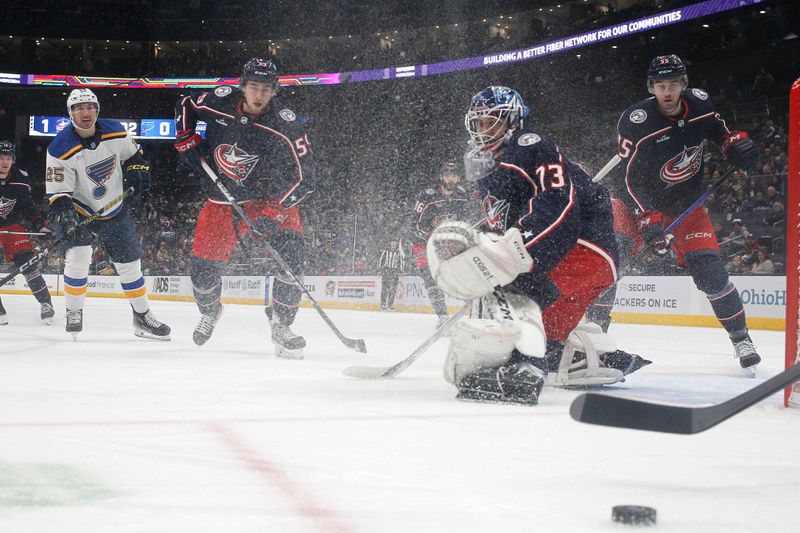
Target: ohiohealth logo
[[762, 297]]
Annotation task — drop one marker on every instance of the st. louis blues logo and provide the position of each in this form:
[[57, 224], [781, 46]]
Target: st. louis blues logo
[[6, 206], [99, 173], [496, 212], [234, 162], [683, 166]]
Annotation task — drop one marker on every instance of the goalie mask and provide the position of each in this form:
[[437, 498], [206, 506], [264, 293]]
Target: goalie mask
[[493, 116], [82, 96]]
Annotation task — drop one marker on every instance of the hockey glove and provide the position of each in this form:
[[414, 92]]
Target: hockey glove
[[652, 229], [67, 228], [468, 264], [741, 151], [190, 147], [137, 175]]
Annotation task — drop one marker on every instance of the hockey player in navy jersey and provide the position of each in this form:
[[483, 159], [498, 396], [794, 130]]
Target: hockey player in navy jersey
[[89, 163], [661, 144], [261, 153], [550, 247], [446, 200], [19, 214]]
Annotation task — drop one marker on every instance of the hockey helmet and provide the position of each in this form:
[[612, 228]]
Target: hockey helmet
[[81, 96], [261, 70], [504, 106], [449, 167], [666, 68], [8, 148]]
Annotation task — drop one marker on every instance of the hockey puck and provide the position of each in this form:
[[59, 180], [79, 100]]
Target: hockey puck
[[637, 515]]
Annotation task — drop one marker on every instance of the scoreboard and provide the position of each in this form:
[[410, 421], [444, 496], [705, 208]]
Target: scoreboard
[[144, 128]]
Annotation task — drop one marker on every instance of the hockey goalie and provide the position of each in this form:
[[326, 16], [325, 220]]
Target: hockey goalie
[[547, 252]]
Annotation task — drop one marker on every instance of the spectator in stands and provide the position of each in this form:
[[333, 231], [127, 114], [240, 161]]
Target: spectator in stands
[[777, 217], [735, 265], [738, 230], [763, 264], [773, 195]]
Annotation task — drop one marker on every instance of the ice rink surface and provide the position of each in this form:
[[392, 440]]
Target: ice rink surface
[[118, 434]]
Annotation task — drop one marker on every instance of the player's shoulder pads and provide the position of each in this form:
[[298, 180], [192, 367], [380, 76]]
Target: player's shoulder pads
[[65, 144]]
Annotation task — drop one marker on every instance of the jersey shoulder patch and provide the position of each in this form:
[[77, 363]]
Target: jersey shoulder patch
[[287, 115], [528, 139], [700, 93], [428, 192], [637, 116], [223, 90]]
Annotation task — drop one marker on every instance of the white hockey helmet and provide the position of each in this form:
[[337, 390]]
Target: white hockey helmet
[[81, 96]]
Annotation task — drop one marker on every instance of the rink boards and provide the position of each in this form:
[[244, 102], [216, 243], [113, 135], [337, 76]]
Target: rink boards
[[640, 299]]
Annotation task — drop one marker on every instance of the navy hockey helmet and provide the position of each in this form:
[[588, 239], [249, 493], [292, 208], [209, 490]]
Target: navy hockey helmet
[[8, 148], [261, 70], [666, 68], [506, 109]]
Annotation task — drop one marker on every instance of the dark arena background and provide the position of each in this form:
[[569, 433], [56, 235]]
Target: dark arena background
[[111, 433]]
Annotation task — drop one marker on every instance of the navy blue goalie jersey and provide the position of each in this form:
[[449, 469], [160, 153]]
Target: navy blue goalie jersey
[[551, 200]]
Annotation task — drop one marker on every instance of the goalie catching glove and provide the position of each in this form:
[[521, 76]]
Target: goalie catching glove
[[469, 264]]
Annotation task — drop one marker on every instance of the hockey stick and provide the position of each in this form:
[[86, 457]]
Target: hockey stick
[[607, 168], [603, 410], [23, 233], [377, 372], [40, 255], [356, 344]]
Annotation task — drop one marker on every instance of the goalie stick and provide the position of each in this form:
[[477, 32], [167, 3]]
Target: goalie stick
[[356, 344], [40, 255], [377, 372], [628, 413]]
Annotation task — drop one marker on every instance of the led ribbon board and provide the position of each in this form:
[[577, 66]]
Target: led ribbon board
[[667, 18]]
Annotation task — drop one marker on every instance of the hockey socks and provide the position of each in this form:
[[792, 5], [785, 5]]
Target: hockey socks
[[285, 300], [727, 306]]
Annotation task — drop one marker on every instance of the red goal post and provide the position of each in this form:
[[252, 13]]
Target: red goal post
[[792, 394]]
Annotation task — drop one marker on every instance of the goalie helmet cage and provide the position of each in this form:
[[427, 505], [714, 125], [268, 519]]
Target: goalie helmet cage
[[792, 394]]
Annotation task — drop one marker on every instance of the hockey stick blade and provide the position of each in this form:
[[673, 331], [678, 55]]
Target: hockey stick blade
[[377, 372], [613, 411]]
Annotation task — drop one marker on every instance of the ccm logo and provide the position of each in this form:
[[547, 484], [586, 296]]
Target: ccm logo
[[698, 235]]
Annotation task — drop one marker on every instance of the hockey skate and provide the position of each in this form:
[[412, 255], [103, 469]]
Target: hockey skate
[[204, 328], [74, 322], [745, 352], [287, 343], [519, 382], [47, 313], [3, 317], [147, 326]]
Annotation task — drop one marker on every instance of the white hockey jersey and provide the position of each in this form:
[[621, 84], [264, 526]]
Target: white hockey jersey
[[90, 175]]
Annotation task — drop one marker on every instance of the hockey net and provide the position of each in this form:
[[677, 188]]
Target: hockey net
[[792, 395]]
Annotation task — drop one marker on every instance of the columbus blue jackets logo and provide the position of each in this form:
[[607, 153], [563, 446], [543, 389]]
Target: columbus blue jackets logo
[[683, 166], [6, 206], [496, 212], [234, 162]]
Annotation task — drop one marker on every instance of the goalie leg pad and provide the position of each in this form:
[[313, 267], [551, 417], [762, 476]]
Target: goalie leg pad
[[532, 341], [580, 363], [476, 344]]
